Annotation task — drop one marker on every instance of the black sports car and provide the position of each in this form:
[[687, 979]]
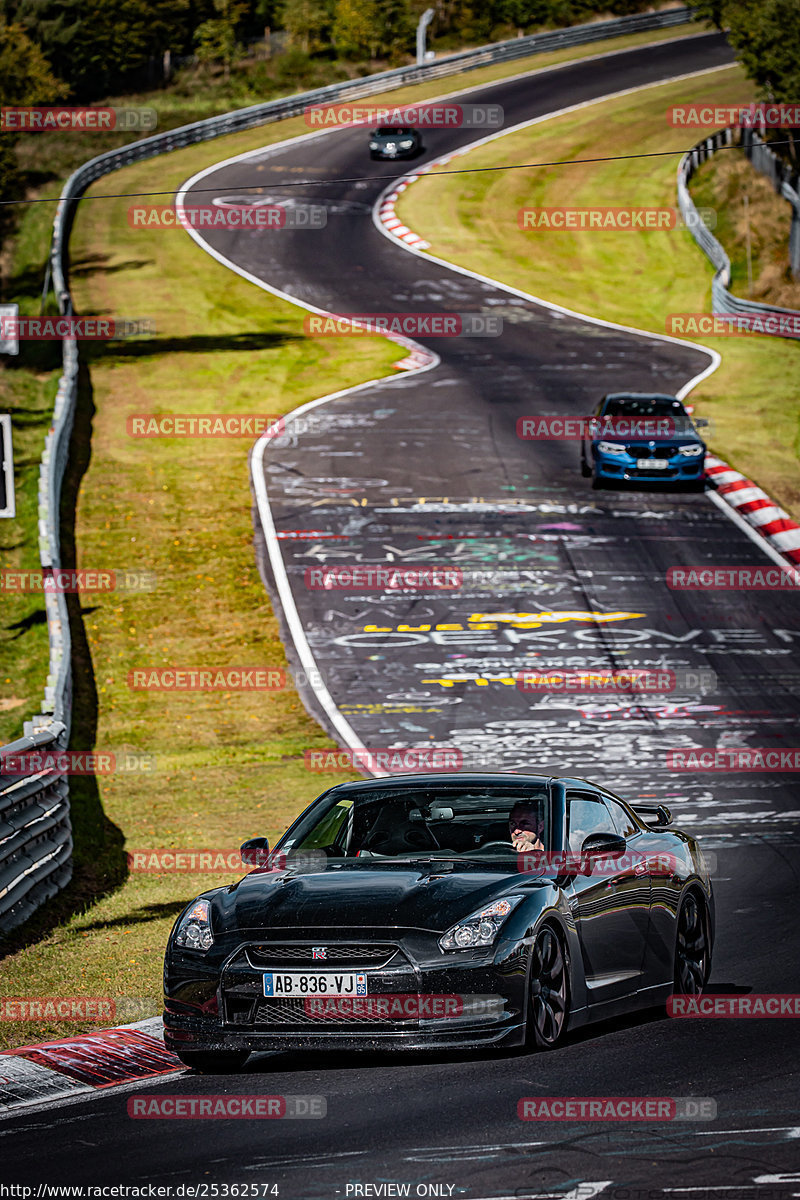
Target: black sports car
[[395, 141], [440, 910]]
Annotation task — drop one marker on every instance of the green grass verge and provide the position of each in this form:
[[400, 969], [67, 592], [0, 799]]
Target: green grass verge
[[632, 278]]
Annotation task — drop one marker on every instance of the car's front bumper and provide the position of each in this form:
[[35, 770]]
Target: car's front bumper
[[479, 999], [390, 155], [624, 467]]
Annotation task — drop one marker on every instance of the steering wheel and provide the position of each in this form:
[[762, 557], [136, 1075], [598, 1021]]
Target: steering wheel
[[493, 846], [421, 839]]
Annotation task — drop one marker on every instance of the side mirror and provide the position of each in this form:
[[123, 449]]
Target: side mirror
[[255, 852], [599, 844]]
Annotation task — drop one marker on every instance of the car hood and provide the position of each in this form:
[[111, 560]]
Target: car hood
[[675, 439], [343, 897]]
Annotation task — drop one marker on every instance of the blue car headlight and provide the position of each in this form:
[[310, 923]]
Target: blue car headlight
[[691, 451], [194, 928], [481, 928], [611, 448]]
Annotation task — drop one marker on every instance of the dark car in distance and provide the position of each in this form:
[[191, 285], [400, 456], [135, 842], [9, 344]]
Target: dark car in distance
[[396, 913], [643, 436], [395, 141]]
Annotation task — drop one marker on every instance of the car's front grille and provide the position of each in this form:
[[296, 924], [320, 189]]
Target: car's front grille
[[242, 993], [639, 451], [291, 1013], [284, 954]]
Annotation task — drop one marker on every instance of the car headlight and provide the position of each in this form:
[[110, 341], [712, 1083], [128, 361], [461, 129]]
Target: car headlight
[[374, 145], [481, 928], [407, 144], [691, 451], [194, 928], [611, 448]]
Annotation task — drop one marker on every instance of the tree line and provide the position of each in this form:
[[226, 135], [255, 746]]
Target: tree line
[[97, 48]]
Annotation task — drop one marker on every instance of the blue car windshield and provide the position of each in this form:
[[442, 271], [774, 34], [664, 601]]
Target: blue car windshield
[[645, 406]]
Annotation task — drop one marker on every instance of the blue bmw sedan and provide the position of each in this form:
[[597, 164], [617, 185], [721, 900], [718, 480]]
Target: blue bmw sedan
[[643, 436]]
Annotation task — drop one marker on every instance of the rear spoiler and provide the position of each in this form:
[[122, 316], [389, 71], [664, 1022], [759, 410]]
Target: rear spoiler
[[660, 811]]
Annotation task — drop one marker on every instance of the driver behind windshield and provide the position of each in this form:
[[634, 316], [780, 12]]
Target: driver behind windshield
[[526, 826]]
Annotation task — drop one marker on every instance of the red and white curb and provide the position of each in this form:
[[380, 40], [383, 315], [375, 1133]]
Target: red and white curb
[[83, 1064], [416, 359], [755, 507], [392, 223]]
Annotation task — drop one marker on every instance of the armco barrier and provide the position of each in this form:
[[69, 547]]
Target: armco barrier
[[723, 301], [35, 834]]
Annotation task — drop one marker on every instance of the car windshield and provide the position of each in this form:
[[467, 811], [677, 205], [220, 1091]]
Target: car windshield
[[627, 407], [402, 824], [390, 131], [642, 406]]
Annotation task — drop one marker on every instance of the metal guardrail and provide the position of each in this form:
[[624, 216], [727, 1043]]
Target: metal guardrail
[[35, 833], [722, 300], [786, 184]]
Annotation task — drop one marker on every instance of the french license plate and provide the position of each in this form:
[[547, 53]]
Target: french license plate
[[313, 983], [652, 464]]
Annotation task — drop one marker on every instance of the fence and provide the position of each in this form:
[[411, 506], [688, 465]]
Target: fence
[[722, 300], [35, 833]]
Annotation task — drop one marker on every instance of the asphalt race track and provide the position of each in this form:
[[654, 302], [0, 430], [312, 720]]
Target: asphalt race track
[[427, 469]]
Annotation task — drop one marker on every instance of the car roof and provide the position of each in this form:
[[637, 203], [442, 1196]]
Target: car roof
[[436, 778], [462, 779], [642, 396]]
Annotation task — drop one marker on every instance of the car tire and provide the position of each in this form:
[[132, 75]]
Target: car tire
[[586, 470], [692, 961], [598, 483], [548, 991], [214, 1062]]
